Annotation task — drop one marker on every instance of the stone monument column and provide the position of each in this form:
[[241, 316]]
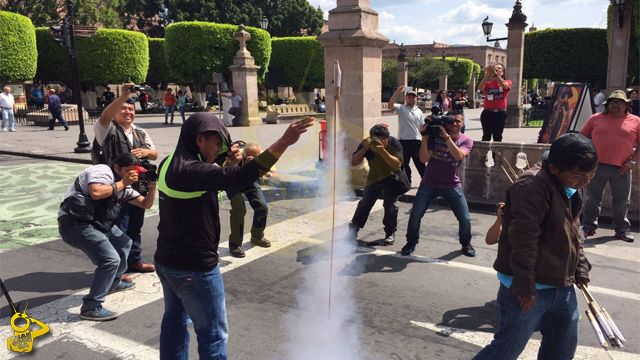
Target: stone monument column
[[472, 90], [443, 84], [244, 76], [353, 39], [515, 55], [619, 48], [403, 68]]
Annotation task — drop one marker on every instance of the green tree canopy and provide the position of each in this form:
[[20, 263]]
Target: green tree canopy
[[577, 55], [18, 52], [390, 73], [427, 73], [195, 50], [302, 61], [286, 17]]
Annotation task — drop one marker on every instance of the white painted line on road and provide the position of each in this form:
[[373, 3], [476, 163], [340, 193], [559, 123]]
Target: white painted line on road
[[482, 339]]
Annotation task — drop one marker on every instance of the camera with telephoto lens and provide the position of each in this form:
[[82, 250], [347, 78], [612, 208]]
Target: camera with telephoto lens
[[433, 129], [135, 88], [147, 172], [374, 141]]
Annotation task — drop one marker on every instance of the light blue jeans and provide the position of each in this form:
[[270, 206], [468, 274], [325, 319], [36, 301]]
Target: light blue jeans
[[108, 251], [197, 297], [7, 116], [457, 201], [555, 312]]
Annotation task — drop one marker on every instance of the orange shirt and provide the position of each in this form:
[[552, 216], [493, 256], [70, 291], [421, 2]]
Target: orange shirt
[[169, 99], [613, 138]]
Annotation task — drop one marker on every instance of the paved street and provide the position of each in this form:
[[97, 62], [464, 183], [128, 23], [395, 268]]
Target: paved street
[[434, 304]]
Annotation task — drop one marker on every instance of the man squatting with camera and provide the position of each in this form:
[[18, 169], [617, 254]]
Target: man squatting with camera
[[86, 221], [116, 134], [189, 231], [443, 148]]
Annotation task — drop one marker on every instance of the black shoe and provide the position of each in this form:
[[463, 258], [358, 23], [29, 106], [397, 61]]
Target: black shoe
[[390, 239], [66, 128], [468, 250], [236, 251], [625, 236], [408, 249]]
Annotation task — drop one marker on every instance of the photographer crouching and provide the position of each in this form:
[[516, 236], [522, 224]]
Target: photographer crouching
[[86, 221], [443, 148]]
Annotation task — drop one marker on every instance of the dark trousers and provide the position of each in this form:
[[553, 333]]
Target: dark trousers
[[411, 150], [130, 222], [257, 201], [57, 115], [493, 124], [143, 106], [370, 194], [237, 119]]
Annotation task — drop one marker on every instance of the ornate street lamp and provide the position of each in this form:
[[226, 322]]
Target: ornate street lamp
[[264, 22], [620, 4], [487, 26], [456, 63], [417, 57]]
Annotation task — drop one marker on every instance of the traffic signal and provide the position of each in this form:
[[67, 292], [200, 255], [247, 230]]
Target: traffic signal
[[62, 33]]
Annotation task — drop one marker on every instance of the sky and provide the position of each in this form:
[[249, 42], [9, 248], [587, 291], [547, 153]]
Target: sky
[[459, 22]]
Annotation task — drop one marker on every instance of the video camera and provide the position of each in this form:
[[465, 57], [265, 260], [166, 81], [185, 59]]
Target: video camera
[[433, 129], [147, 172], [135, 88]]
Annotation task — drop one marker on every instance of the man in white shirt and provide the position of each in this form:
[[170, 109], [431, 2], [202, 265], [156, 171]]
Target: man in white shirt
[[410, 118], [598, 99], [8, 106], [236, 108]]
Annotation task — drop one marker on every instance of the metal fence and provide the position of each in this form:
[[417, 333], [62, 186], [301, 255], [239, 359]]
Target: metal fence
[[535, 116], [21, 117]]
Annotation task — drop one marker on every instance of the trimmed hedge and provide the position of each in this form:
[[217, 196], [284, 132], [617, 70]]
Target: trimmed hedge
[[297, 54], [53, 59], [195, 50], [18, 52], [113, 57], [461, 76], [577, 55], [158, 69]]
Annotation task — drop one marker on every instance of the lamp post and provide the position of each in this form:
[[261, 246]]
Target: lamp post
[[264, 23], [487, 26], [620, 4], [404, 65]]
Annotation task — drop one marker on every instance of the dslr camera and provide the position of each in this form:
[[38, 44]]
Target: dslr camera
[[147, 172], [135, 88], [374, 141]]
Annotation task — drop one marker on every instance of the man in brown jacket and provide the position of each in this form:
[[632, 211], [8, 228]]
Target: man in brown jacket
[[540, 254]]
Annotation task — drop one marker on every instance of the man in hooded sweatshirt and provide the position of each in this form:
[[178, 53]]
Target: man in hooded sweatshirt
[[189, 231]]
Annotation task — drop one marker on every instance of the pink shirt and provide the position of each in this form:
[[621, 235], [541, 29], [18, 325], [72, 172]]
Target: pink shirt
[[495, 95], [614, 138]]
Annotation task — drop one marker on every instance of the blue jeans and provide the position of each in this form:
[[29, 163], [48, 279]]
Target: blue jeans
[[370, 195], [181, 110], [197, 297], [130, 222], [457, 201], [169, 109], [257, 201], [555, 312], [7, 116], [106, 250]]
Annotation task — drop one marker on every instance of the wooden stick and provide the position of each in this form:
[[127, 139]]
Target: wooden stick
[[505, 171], [614, 327], [596, 330], [510, 168]]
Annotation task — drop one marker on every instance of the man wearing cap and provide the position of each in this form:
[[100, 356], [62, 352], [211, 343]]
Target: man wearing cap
[[540, 255], [189, 231], [54, 106], [115, 134], [384, 155], [615, 132], [494, 115], [598, 99], [410, 118]]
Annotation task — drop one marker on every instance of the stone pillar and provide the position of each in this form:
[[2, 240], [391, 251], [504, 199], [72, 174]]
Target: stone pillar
[[443, 83], [244, 76], [472, 90], [619, 49], [515, 53], [403, 68], [353, 39]]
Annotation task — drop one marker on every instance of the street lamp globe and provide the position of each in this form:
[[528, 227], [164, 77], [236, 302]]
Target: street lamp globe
[[417, 57], [264, 23], [487, 26], [457, 62]]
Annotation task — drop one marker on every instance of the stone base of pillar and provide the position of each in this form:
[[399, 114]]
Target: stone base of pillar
[[514, 116], [252, 121]]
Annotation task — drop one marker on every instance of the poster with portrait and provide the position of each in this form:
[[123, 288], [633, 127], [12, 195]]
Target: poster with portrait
[[569, 106]]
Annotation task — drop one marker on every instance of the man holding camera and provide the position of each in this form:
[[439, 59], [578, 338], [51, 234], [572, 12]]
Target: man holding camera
[[410, 118], [116, 134], [384, 154], [189, 231], [86, 221], [494, 115], [443, 148]]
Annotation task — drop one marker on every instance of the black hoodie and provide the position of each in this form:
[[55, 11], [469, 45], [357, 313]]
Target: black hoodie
[[189, 228]]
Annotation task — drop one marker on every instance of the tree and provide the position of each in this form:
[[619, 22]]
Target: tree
[[286, 17], [428, 71], [303, 59], [18, 52], [390, 73]]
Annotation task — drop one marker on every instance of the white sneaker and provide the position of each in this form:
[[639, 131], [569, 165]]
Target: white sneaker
[[4, 129], [13, 130]]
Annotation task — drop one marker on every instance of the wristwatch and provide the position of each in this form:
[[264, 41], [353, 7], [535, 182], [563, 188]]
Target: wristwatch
[[633, 162]]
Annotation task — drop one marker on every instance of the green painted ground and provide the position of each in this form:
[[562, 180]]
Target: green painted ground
[[30, 195]]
